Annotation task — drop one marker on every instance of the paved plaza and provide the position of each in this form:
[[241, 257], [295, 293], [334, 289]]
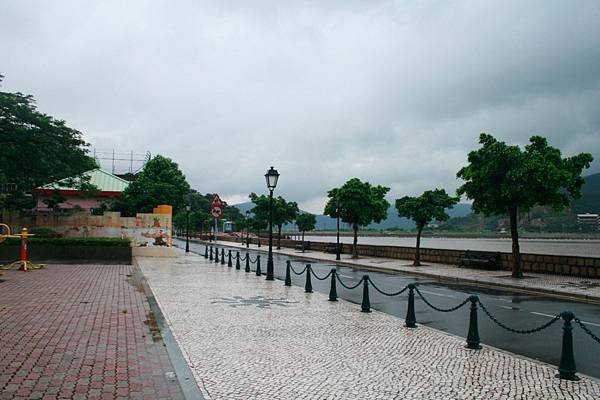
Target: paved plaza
[[247, 338], [587, 289], [80, 332]]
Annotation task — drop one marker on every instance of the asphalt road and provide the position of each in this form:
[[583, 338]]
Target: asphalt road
[[517, 310]]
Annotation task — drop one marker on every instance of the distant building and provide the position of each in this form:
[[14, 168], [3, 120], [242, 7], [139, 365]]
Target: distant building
[[110, 186], [588, 219]]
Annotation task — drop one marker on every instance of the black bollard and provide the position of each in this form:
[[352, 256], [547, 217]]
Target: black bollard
[[237, 260], [411, 318], [366, 303], [216, 255], [247, 262], [332, 290], [229, 263], [205, 251], [473, 335], [308, 284], [211, 256], [288, 276], [566, 368], [222, 256], [258, 273]]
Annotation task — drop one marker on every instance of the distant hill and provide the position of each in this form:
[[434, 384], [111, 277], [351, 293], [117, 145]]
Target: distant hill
[[325, 222], [590, 196]]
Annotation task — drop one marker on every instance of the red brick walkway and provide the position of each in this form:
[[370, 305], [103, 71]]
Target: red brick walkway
[[81, 332]]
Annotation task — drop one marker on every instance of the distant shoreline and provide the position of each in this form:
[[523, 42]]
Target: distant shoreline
[[457, 235]]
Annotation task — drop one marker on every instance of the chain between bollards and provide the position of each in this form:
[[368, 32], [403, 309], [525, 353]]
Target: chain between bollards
[[258, 273], [366, 302], [411, 318], [473, 334], [566, 368], [308, 284], [332, 290], [288, 277], [237, 260]]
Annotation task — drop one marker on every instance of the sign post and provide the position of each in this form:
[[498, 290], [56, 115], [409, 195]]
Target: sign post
[[216, 211]]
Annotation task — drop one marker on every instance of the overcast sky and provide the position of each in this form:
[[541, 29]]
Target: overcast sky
[[394, 92]]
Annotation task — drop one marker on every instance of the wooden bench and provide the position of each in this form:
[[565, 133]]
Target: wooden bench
[[332, 248], [303, 246], [479, 259]]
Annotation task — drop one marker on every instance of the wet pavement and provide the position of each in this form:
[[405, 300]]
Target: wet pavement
[[81, 332], [517, 310]]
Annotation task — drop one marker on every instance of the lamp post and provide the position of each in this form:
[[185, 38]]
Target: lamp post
[[337, 212], [247, 229], [187, 228], [271, 177]]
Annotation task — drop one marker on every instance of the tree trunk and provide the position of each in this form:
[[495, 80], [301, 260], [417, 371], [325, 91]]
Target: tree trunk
[[278, 237], [303, 241], [354, 249], [516, 252], [418, 248]]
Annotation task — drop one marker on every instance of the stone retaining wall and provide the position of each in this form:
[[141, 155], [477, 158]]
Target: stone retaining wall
[[587, 267]]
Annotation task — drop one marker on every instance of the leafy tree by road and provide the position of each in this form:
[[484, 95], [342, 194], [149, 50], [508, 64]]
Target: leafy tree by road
[[305, 222], [503, 179], [160, 182], [359, 205], [431, 205], [36, 149], [283, 211]]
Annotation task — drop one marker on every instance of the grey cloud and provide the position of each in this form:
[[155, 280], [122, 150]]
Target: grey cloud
[[394, 92]]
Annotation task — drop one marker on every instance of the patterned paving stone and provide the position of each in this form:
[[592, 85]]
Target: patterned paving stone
[[246, 338], [80, 332]]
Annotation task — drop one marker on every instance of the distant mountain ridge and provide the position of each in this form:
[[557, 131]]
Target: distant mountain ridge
[[325, 222], [590, 196]]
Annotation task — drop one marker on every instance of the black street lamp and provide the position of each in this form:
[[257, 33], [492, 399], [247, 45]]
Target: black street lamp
[[187, 228], [337, 212], [271, 177], [247, 229]]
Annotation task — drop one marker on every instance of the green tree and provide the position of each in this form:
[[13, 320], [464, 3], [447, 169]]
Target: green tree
[[305, 222], [36, 149], [503, 179], [431, 205], [283, 211], [358, 204], [160, 182]]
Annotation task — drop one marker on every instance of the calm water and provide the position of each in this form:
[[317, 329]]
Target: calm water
[[590, 248]]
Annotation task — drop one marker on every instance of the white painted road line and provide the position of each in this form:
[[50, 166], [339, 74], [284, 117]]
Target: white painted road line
[[437, 294], [552, 316]]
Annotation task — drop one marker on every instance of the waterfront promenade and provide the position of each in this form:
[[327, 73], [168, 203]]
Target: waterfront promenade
[[586, 289], [247, 338]]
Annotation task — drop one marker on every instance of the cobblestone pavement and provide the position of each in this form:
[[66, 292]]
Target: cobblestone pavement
[[80, 332], [247, 338], [583, 288]]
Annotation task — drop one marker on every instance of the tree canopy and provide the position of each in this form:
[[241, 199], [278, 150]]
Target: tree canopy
[[306, 222], [36, 149], [503, 179], [160, 182], [431, 205], [359, 205], [284, 212]]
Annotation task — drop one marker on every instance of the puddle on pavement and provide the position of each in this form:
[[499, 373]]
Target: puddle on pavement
[[151, 323]]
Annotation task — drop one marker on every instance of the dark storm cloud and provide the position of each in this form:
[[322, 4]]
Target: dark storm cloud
[[392, 92]]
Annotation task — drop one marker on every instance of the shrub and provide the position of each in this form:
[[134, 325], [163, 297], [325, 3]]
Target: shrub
[[44, 232], [102, 241]]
